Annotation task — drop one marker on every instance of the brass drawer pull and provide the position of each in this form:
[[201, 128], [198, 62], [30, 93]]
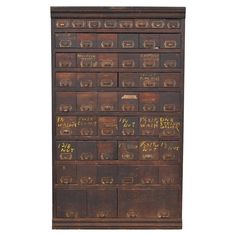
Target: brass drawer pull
[[65, 132], [149, 44], [128, 83], [131, 213], [168, 180], [78, 23], [127, 180], [65, 156], [85, 156], [106, 83], [158, 24], [163, 214], [107, 44], [147, 157], [128, 107], [72, 214], [86, 44], [127, 44], [169, 107], [107, 107], [65, 43], [128, 63], [87, 180], [66, 180], [65, 63], [65, 108], [169, 83], [147, 131], [107, 131], [86, 131], [173, 24], [149, 83], [107, 63], [94, 24], [110, 24], [86, 107], [170, 64], [65, 83], [107, 180], [127, 156], [62, 24], [141, 24], [170, 44], [88, 63], [106, 156], [128, 131], [168, 157], [86, 83], [149, 107], [147, 180], [126, 24], [168, 132], [101, 214]]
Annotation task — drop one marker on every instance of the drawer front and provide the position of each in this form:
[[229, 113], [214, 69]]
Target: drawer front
[[86, 175], [149, 150], [65, 60], [66, 125], [86, 80], [66, 40], [107, 80], [149, 125], [107, 150], [66, 151], [128, 60], [128, 175], [107, 101], [66, 174], [149, 41], [87, 151], [108, 126], [169, 175], [86, 101], [106, 41], [70, 203], [128, 101], [87, 40], [128, 126], [170, 61], [66, 102], [87, 126], [66, 80], [170, 41], [128, 150], [107, 175], [128, 40]]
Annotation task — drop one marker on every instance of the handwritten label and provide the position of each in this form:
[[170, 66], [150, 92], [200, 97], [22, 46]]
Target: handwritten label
[[65, 148], [149, 122], [149, 146], [65, 122], [86, 121], [126, 123], [169, 123], [169, 147], [86, 56]]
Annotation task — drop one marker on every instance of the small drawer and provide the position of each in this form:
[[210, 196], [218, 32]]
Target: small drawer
[[66, 151], [107, 80], [128, 101], [170, 151], [173, 24], [63, 23], [66, 40], [170, 61], [158, 24], [86, 40], [66, 174], [128, 60], [107, 101], [87, 125], [86, 80], [107, 60], [141, 23], [65, 102], [149, 102], [107, 175], [148, 175], [87, 151], [70, 203], [149, 60], [107, 126], [149, 80], [151, 41], [128, 175], [106, 41], [170, 40], [169, 175], [65, 60], [126, 24], [128, 126], [107, 150], [149, 125], [78, 23], [149, 150], [170, 101], [94, 24], [170, 80], [111, 24], [102, 203], [87, 175], [66, 80], [87, 60], [128, 150], [128, 80], [66, 125], [128, 40], [169, 127], [86, 101]]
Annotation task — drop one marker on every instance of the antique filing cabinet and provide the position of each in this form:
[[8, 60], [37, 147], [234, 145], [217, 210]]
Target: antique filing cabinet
[[117, 111]]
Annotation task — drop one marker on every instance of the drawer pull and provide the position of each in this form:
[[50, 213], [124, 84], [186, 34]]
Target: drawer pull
[[106, 107], [127, 180], [106, 83], [128, 131], [128, 83], [101, 214], [127, 44], [86, 44], [107, 131], [128, 107], [127, 156], [170, 64], [65, 108], [147, 157], [87, 180], [131, 213], [168, 180], [149, 83], [163, 214], [65, 63], [107, 63], [141, 24], [149, 44], [63, 24], [65, 43], [147, 180], [78, 24], [65, 132], [86, 131], [168, 157], [149, 107], [110, 24], [173, 24], [88, 63], [158, 24], [170, 44], [169, 83], [86, 83], [168, 132], [126, 24], [72, 214], [169, 107], [85, 156], [107, 180], [94, 24], [65, 156], [128, 63], [106, 156], [107, 44], [87, 107], [65, 83], [66, 180], [147, 131]]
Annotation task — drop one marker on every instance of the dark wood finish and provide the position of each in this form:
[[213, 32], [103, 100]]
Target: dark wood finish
[[117, 117]]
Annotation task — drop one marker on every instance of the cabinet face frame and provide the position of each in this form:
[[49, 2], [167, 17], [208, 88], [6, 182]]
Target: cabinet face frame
[[115, 21]]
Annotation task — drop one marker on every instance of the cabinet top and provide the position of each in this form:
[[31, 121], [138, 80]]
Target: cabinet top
[[99, 12]]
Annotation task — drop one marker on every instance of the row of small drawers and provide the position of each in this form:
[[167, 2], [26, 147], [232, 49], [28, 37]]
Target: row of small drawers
[[158, 203], [114, 24], [121, 60], [117, 101], [106, 41], [118, 150], [160, 126], [113, 174], [113, 80]]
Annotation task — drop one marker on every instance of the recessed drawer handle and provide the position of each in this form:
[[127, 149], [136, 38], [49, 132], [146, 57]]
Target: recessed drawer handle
[[169, 83], [72, 214], [107, 180], [86, 107], [128, 83], [149, 44], [168, 157], [127, 180], [101, 214], [127, 44], [85, 156], [127, 156], [65, 83], [147, 180], [128, 63], [106, 107], [86, 131], [131, 213], [147, 131], [107, 63], [128, 131], [65, 108], [107, 131], [65, 132], [170, 64], [169, 107], [170, 44], [86, 84], [126, 24], [88, 63], [147, 157], [87, 180], [163, 214], [66, 180], [128, 107], [168, 180], [65, 43], [158, 24], [149, 107], [86, 44], [65, 156], [149, 83], [106, 83], [107, 44], [106, 156], [168, 132], [65, 63]]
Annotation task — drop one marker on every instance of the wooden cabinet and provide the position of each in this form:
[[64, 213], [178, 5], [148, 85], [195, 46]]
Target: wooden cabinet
[[117, 105]]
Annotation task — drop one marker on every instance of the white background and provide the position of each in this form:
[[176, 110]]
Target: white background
[[210, 122]]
